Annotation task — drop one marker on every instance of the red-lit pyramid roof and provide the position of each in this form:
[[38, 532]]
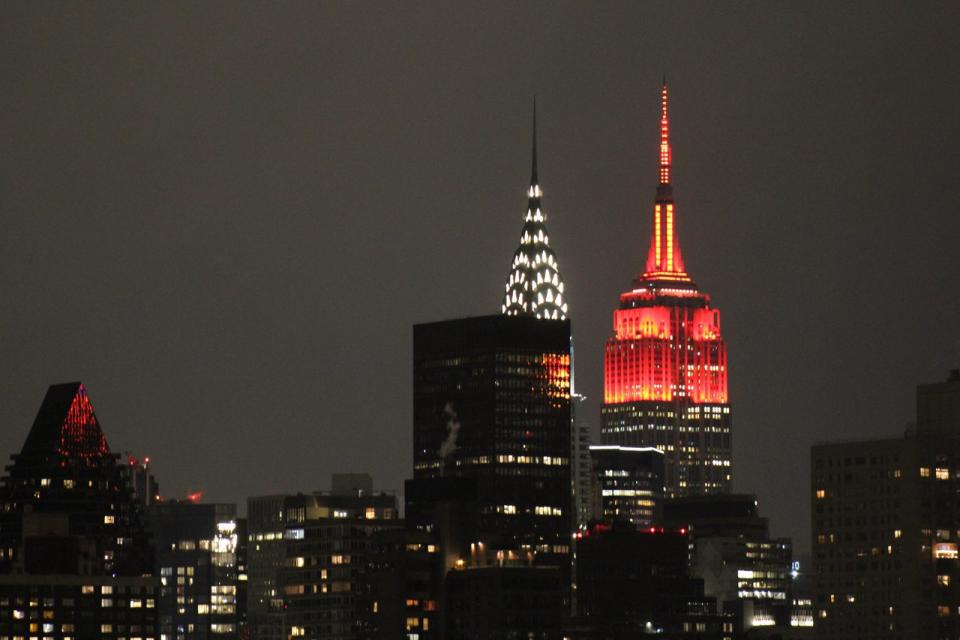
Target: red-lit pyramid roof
[[66, 425]]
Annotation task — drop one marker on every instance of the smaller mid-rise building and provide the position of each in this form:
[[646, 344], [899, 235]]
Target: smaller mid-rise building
[[196, 560], [747, 571], [627, 484], [146, 489], [308, 557], [402, 586], [633, 581]]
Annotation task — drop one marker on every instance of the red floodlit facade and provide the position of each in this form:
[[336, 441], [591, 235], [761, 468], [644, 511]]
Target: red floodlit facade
[[665, 368]]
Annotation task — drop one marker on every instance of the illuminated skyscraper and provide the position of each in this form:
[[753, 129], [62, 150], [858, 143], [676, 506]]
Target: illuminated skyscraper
[[665, 368]]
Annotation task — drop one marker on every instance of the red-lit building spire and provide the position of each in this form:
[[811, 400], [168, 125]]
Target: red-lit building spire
[[664, 261]]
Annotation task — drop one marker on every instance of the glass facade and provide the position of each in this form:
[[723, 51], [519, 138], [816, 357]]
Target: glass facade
[[492, 403]]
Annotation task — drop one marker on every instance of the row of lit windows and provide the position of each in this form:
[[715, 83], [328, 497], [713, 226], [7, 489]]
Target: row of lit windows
[[511, 509], [337, 586], [545, 460]]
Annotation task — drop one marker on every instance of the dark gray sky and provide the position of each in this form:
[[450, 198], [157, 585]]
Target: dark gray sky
[[225, 218]]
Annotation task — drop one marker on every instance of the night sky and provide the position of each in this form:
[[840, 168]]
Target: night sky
[[225, 218]]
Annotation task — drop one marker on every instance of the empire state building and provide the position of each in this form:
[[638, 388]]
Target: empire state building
[[665, 367]]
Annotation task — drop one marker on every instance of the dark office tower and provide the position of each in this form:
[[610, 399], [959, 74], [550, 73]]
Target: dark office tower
[[75, 557], [243, 577], [886, 528], [266, 556], [665, 368], [628, 484], [492, 402], [197, 564]]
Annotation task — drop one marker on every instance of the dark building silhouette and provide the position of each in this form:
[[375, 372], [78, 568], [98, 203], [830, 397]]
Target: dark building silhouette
[[665, 368], [403, 586], [266, 555], [581, 470], [408, 564], [243, 578], [631, 583], [196, 560], [75, 557], [145, 486], [503, 601], [886, 528]]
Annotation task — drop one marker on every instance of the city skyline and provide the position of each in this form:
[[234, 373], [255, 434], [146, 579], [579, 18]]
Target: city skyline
[[229, 238]]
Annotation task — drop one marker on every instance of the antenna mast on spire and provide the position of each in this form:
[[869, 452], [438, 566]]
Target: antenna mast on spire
[[666, 156], [533, 169]]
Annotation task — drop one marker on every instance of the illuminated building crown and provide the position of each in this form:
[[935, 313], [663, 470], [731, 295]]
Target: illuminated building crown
[[534, 286], [66, 425]]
